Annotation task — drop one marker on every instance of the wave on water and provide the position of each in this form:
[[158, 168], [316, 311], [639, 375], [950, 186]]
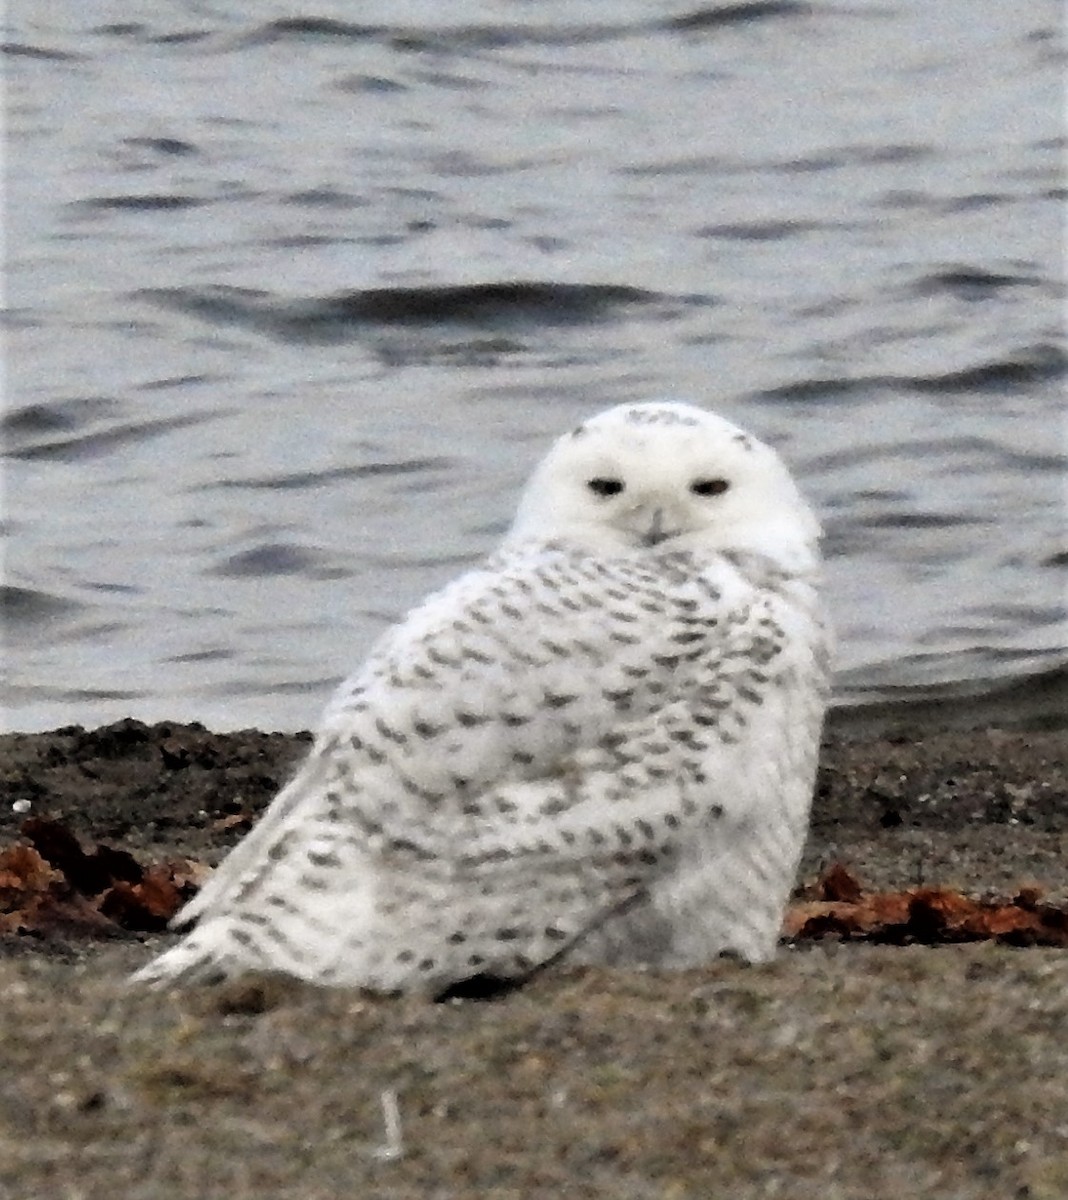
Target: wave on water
[[492, 36], [95, 442], [1035, 364], [494, 305], [415, 39], [294, 480], [23, 606]]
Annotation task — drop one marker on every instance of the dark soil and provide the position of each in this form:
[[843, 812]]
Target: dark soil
[[841, 1070]]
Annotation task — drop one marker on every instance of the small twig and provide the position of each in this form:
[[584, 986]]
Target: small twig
[[393, 1147]]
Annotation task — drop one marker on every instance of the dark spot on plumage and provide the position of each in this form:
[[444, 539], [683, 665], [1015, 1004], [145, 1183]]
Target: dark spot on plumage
[[522, 758], [375, 755], [443, 660], [496, 855], [406, 956], [313, 883], [457, 939], [514, 720], [323, 858], [369, 828], [426, 964], [559, 699], [666, 660], [715, 811], [687, 738], [509, 934], [472, 655], [552, 808], [407, 846], [389, 734], [469, 719]]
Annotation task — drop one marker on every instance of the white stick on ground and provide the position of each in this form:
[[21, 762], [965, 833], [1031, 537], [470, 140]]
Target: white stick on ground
[[393, 1147]]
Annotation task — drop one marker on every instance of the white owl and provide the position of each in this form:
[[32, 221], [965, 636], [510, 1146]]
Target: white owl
[[600, 745]]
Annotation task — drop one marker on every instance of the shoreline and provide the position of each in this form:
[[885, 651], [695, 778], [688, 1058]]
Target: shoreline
[[895, 803]]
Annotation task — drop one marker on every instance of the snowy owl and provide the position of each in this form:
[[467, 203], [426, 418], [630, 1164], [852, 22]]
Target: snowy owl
[[599, 746]]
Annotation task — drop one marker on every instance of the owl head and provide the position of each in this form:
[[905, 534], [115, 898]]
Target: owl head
[[650, 478]]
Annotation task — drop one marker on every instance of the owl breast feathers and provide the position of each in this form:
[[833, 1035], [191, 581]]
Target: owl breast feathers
[[600, 746]]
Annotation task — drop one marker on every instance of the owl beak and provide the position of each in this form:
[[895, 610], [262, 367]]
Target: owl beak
[[656, 533]]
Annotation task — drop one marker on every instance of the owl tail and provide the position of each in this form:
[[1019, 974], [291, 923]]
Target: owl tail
[[194, 960]]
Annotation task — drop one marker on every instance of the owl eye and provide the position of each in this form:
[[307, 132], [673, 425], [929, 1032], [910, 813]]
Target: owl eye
[[709, 487], [605, 487]]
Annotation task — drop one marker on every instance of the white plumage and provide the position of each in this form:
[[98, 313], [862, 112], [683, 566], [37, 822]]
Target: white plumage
[[601, 744]]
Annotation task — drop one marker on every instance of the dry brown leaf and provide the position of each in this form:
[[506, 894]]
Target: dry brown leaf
[[55, 886], [926, 916]]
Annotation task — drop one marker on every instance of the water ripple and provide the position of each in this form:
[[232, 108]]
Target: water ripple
[[335, 316], [105, 441], [305, 479]]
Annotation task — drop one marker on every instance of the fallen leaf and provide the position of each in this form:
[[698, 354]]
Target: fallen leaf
[[56, 886], [924, 916]]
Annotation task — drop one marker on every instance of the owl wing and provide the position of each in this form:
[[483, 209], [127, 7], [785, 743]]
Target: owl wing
[[538, 733], [541, 696]]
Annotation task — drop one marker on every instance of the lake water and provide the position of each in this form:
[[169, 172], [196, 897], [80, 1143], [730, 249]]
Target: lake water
[[294, 302]]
